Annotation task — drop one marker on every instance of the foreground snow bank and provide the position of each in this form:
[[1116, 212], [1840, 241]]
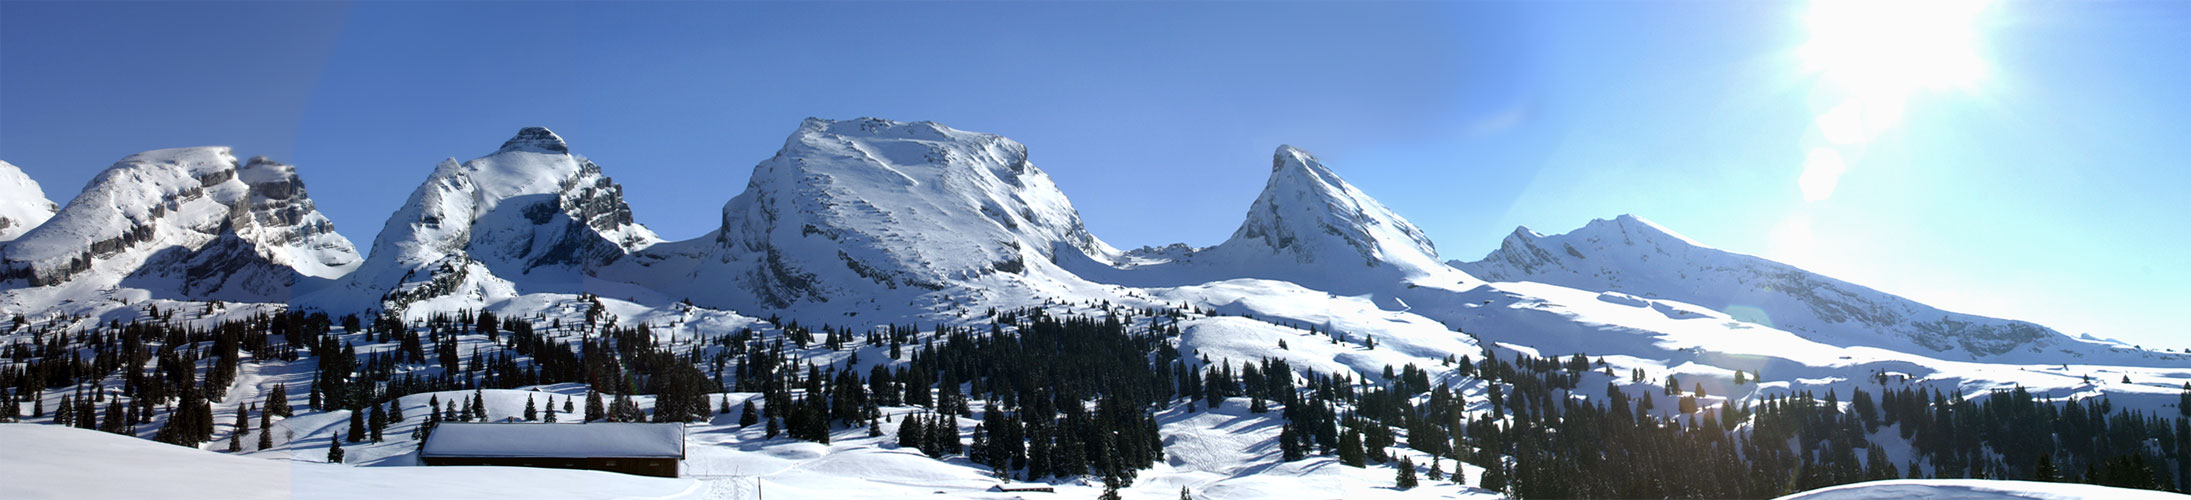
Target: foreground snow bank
[[45, 461], [1976, 489]]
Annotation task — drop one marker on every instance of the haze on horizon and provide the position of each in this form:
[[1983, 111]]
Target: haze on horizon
[[2014, 159]]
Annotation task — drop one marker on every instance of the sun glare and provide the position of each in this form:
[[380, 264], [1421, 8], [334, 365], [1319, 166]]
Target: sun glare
[[1895, 46], [1872, 57]]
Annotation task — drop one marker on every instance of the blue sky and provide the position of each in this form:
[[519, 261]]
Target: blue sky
[[2031, 160]]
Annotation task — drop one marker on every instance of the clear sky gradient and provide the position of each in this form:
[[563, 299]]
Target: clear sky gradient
[[2022, 160]]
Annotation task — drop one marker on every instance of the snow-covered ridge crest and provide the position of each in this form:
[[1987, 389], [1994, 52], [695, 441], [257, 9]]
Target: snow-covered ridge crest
[[23, 204], [848, 208], [530, 206], [536, 140], [191, 220], [1633, 255]]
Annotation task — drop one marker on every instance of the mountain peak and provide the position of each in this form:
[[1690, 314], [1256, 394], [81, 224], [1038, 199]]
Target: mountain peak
[[1523, 233], [1302, 191], [869, 126], [536, 140], [1312, 227], [1631, 227], [851, 206], [1289, 155], [23, 204]]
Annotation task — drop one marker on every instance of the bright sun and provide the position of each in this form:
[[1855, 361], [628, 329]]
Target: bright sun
[[1871, 57], [1895, 46]]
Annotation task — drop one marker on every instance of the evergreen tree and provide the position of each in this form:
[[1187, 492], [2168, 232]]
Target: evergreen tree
[[357, 427], [532, 412], [243, 425], [747, 416], [1377, 441], [2183, 404], [594, 411], [2045, 471], [377, 420], [1290, 444], [266, 434], [277, 401], [334, 451], [1437, 471], [1350, 450], [1494, 478], [910, 433], [1406, 477]]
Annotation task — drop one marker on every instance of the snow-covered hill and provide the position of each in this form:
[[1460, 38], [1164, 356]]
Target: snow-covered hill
[[531, 217], [23, 205], [1976, 489], [1631, 255], [54, 462], [192, 223], [857, 216]]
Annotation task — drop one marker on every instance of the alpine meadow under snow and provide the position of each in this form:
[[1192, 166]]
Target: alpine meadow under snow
[[891, 309]]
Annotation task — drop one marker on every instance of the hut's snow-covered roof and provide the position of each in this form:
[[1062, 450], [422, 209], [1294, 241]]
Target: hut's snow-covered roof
[[595, 440]]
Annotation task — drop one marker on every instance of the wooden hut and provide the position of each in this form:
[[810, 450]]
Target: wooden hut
[[631, 448]]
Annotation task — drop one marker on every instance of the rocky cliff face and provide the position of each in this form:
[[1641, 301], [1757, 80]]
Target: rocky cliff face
[[529, 217], [192, 221]]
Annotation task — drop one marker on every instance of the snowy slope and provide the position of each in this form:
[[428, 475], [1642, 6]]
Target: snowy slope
[[23, 205], [1308, 227], [1632, 255], [1976, 489], [872, 210], [46, 461], [189, 223], [530, 217]]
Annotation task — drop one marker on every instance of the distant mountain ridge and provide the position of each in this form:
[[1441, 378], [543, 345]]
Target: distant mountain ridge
[[1633, 255], [860, 216]]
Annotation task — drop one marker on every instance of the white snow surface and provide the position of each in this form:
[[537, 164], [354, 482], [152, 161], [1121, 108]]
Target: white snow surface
[[1635, 256], [1976, 489], [23, 205], [53, 462]]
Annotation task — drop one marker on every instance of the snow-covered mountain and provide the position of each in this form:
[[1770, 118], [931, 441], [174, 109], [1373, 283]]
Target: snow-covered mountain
[[23, 205], [191, 223], [1632, 255], [865, 223], [1308, 227], [531, 217], [857, 210]]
